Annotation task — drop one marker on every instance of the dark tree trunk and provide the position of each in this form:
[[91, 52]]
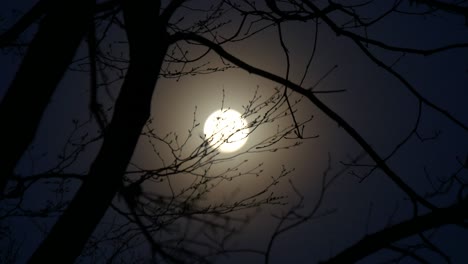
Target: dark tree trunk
[[132, 109], [47, 59]]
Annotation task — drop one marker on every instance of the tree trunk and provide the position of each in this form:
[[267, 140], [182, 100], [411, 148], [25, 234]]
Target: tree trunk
[[132, 109], [48, 56]]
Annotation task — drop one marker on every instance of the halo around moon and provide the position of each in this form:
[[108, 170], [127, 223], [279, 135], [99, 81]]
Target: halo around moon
[[226, 130]]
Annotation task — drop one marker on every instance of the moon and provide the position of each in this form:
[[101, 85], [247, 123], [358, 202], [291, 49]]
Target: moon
[[226, 130]]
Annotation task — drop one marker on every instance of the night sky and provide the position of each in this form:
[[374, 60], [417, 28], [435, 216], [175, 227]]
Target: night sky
[[373, 101]]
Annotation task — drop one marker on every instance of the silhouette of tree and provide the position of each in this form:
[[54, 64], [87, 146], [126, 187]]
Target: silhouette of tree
[[50, 44], [178, 39]]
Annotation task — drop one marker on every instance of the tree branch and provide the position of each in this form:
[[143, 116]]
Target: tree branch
[[372, 243], [311, 96]]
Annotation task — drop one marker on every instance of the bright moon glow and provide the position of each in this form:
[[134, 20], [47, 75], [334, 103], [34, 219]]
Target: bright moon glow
[[226, 130]]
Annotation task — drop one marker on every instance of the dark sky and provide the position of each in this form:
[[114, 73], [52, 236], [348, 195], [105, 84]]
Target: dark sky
[[375, 103]]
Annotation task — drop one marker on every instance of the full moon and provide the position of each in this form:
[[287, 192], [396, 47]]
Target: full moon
[[226, 130]]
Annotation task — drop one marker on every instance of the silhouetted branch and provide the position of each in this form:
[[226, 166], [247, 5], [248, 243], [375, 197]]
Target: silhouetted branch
[[316, 101], [8, 37], [370, 244]]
